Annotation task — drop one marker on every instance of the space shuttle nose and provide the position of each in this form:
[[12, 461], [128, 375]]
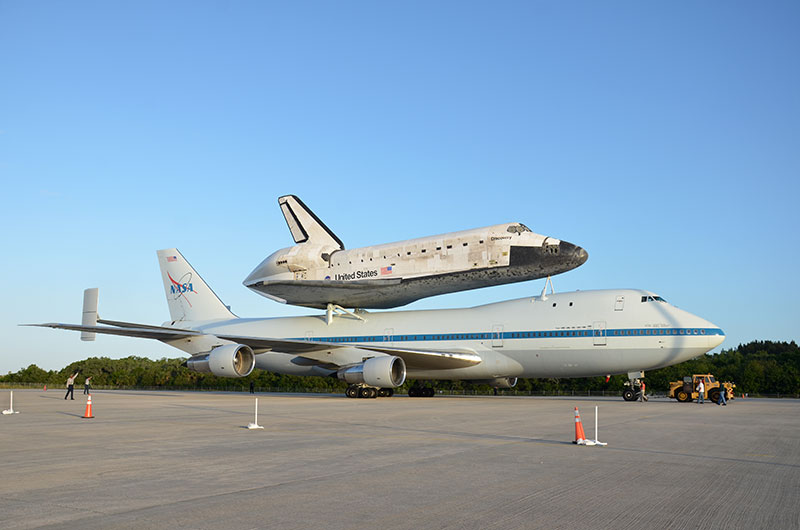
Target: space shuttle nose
[[577, 254]]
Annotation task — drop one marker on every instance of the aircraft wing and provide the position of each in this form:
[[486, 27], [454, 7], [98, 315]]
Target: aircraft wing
[[431, 359], [325, 352], [322, 352]]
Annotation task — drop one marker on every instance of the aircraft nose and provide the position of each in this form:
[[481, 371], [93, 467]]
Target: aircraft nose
[[576, 254], [716, 340]]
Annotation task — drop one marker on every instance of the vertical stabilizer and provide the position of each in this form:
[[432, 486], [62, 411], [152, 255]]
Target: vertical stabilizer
[[304, 225], [189, 297]]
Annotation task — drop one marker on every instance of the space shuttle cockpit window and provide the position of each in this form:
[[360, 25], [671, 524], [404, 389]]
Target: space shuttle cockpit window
[[518, 229]]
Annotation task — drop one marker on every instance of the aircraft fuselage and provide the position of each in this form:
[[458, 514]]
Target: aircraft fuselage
[[576, 334]]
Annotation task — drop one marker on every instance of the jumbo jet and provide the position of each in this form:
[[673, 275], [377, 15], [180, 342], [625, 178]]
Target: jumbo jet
[[574, 334], [318, 272]]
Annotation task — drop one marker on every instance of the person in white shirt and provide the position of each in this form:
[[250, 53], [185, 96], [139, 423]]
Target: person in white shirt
[[700, 390], [71, 386]]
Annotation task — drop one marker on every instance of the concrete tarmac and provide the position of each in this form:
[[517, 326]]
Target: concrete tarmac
[[185, 460]]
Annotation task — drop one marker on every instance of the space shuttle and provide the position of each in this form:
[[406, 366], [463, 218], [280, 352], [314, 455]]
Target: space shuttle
[[318, 272]]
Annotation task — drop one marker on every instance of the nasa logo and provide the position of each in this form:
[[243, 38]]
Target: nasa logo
[[180, 288]]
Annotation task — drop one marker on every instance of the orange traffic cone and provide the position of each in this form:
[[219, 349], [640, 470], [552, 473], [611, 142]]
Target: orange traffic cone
[[580, 437], [88, 413]]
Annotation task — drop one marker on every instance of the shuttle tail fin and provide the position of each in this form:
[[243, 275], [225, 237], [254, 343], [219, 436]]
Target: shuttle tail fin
[[189, 297], [304, 225]]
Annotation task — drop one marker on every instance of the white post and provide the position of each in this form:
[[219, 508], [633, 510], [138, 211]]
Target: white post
[[596, 440], [11, 406], [255, 425]]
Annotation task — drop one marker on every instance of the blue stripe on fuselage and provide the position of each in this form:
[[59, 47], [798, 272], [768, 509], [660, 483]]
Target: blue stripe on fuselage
[[512, 335]]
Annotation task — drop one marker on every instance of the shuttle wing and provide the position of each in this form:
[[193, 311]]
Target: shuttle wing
[[311, 350], [317, 294]]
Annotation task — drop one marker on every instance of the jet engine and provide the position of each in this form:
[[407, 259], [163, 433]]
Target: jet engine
[[380, 372], [499, 382], [231, 360]]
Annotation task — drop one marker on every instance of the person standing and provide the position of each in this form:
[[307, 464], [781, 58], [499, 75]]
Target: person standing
[[71, 386], [87, 389], [252, 387], [642, 396], [701, 388], [723, 396]]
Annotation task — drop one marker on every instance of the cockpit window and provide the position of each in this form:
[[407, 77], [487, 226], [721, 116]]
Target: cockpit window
[[518, 229], [653, 299]]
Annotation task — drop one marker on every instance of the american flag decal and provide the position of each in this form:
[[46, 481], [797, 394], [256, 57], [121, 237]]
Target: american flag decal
[[172, 258], [386, 270]]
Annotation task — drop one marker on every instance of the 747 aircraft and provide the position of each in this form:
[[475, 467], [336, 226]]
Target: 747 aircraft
[[573, 334]]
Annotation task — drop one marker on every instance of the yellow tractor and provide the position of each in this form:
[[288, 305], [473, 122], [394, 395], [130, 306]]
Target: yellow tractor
[[686, 391]]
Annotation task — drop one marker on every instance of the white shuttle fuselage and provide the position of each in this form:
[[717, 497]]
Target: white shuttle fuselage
[[318, 271]]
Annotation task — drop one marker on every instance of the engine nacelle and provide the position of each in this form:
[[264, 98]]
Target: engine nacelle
[[499, 382], [380, 372], [231, 360]]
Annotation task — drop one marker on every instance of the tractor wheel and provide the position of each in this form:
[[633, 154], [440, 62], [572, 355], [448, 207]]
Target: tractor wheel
[[683, 396], [713, 395]]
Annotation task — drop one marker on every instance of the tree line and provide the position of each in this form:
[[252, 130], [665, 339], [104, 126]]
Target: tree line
[[758, 367]]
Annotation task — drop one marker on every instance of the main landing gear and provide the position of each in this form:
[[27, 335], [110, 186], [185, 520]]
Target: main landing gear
[[368, 392]]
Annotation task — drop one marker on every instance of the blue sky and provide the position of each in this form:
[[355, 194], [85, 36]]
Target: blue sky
[[662, 137]]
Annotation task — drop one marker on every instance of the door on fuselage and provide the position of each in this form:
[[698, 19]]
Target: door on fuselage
[[599, 332], [497, 336]]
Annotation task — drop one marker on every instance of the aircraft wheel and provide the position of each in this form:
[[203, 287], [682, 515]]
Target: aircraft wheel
[[389, 392], [429, 392], [363, 392], [628, 394], [372, 393], [385, 392], [351, 392]]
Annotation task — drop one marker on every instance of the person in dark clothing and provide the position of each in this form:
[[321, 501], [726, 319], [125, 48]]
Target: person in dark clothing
[[252, 387], [71, 386], [87, 385]]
